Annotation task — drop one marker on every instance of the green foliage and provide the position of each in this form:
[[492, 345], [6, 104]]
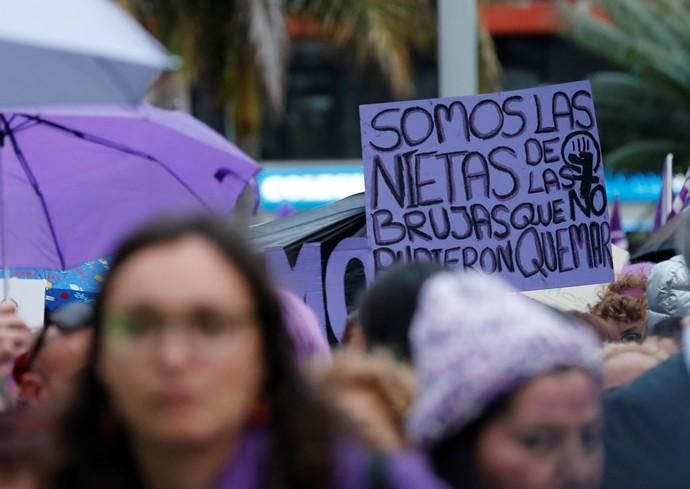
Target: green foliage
[[644, 110], [216, 37]]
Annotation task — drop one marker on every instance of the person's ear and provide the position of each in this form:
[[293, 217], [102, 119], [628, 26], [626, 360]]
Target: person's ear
[[32, 387], [356, 340]]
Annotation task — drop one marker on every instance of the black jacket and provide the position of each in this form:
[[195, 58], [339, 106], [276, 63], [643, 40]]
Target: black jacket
[[647, 431]]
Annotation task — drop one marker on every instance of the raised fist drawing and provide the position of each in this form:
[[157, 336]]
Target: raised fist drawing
[[580, 157]]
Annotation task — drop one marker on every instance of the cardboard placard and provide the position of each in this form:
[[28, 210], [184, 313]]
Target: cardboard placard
[[579, 298], [509, 183], [29, 295]]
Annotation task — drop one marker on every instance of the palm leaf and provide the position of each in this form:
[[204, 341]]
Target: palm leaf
[[382, 31], [266, 30], [629, 49], [641, 156]]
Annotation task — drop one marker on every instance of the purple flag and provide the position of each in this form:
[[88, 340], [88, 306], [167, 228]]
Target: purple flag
[[682, 199], [285, 210], [663, 206], [617, 233]]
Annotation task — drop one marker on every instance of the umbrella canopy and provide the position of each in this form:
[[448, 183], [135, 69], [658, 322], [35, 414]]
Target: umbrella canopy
[[327, 225], [77, 180], [86, 277], [75, 51], [661, 245]]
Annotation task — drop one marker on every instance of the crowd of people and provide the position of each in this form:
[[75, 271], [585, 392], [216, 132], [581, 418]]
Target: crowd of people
[[194, 371]]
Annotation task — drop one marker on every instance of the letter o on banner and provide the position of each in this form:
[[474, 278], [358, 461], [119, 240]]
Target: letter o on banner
[[347, 250]]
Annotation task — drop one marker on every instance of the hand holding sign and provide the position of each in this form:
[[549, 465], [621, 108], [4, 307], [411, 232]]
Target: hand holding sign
[[15, 336]]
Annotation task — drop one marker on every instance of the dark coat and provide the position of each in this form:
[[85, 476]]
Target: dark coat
[[647, 431]]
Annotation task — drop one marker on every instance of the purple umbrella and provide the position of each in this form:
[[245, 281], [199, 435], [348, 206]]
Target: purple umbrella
[[77, 180]]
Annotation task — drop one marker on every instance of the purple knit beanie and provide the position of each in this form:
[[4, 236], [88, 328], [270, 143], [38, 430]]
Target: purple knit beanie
[[475, 339], [304, 328]]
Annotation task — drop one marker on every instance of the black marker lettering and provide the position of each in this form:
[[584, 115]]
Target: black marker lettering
[[515, 113], [393, 129]]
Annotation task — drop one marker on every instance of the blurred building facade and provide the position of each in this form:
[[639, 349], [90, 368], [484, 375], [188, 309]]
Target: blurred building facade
[[317, 141]]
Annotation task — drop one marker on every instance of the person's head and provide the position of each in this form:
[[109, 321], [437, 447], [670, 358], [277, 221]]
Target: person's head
[[509, 392], [624, 362], [667, 334], [189, 344], [49, 371], [353, 335], [308, 337], [15, 337], [386, 308], [374, 391], [624, 305], [604, 330]]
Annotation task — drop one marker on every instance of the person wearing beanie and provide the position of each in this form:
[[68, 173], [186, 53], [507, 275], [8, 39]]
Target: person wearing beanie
[[309, 340], [509, 392]]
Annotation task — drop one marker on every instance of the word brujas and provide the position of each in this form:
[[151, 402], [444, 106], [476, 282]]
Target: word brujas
[[509, 183]]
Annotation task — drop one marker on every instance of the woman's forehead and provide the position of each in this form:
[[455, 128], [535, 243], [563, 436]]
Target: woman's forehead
[[188, 271]]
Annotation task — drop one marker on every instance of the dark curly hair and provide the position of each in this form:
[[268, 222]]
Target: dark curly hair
[[302, 427]]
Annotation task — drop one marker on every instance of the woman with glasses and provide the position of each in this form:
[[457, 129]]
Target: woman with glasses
[[192, 382], [47, 373]]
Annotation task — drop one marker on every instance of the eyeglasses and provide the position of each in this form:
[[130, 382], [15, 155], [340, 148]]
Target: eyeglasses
[[67, 319], [203, 332]]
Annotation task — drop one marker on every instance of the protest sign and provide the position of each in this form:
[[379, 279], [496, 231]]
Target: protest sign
[[583, 297], [321, 280], [29, 296], [509, 183]]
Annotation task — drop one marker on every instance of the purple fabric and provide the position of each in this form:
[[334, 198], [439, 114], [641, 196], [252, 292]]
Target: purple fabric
[[285, 210], [663, 205], [248, 467], [644, 268], [474, 339], [681, 201], [618, 236], [304, 328], [73, 199]]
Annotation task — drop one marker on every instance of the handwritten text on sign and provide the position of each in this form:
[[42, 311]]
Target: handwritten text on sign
[[509, 183]]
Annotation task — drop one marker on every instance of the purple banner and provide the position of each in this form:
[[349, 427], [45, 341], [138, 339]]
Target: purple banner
[[509, 183], [321, 284]]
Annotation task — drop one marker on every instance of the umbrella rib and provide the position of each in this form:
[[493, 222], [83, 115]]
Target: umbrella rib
[[34, 183], [119, 147]]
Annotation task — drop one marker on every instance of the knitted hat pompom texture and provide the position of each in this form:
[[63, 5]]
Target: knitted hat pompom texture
[[474, 339]]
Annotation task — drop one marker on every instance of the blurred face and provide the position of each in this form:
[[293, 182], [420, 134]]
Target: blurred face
[[15, 337], [54, 371], [635, 331], [181, 357], [669, 345], [373, 418], [549, 438], [625, 367], [18, 479]]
